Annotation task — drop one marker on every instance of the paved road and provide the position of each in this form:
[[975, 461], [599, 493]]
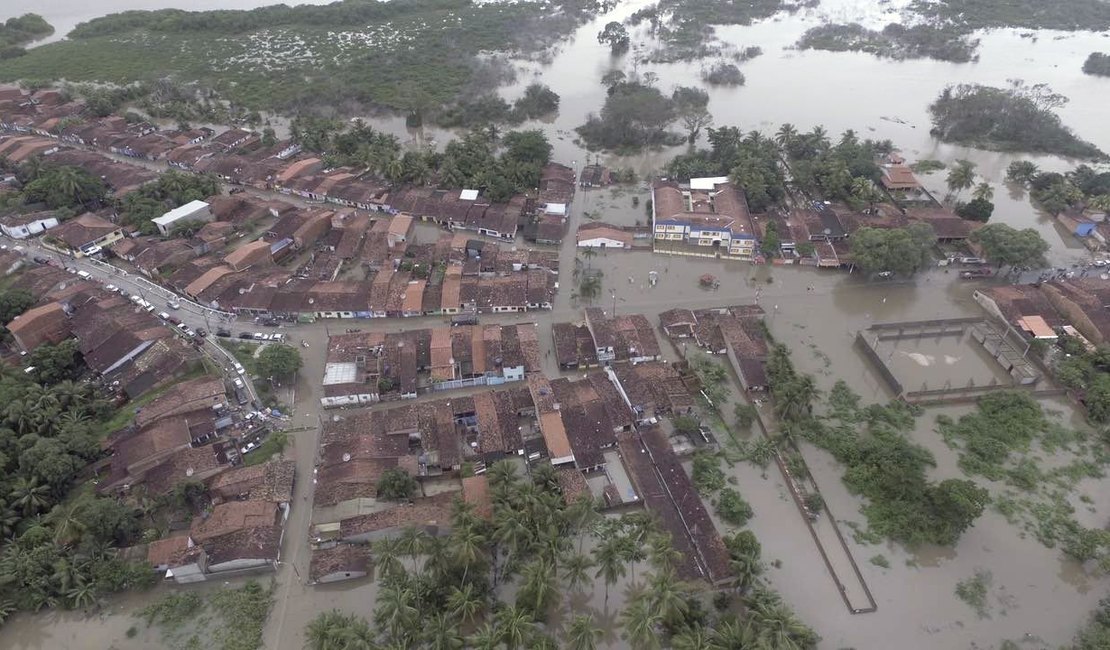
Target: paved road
[[193, 315]]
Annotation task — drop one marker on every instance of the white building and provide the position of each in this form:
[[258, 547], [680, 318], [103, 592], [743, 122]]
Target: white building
[[27, 225], [191, 212]]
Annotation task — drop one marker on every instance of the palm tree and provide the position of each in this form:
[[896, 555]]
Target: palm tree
[[539, 590], [632, 552], [693, 638], [662, 553], [29, 496], [465, 603], [864, 191], [9, 519], [640, 624], [412, 543], [589, 254], [468, 546], [786, 135], [983, 191], [66, 520], [610, 565], [576, 570], [486, 637], [730, 634], [667, 599], [583, 634], [747, 568], [20, 416], [396, 613], [1100, 203], [582, 514], [335, 630], [389, 566], [589, 288], [960, 177], [502, 473], [773, 624], [515, 626], [441, 633]]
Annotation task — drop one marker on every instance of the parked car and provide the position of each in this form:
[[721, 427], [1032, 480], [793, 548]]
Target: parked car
[[223, 332], [277, 337], [173, 319], [202, 332], [246, 335], [39, 259], [976, 273], [972, 260], [270, 322], [164, 316], [182, 326], [240, 369], [259, 336], [173, 304], [238, 383], [111, 287]]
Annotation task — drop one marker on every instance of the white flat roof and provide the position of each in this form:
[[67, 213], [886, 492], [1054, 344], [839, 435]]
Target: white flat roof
[[555, 208], [468, 195], [340, 373], [707, 183], [180, 212]]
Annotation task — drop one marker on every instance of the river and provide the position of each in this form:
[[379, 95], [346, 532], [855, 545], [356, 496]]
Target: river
[[1034, 591]]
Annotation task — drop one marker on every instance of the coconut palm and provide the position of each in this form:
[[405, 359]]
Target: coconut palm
[[583, 634], [590, 288], [693, 638], [468, 547], [486, 637], [540, 590], [786, 135], [465, 602], [864, 191], [396, 614], [662, 553], [576, 570], [389, 566], [730, 634], [1100, 203], [29, 496], [335, 630], [65, 519], [747, 568], [773, 625], [610, 565], [632, 552], [589, 254], [515, 626], [641, 624], [983, 191], [442, 633], [960, 177], [411, 543], [667, 598]]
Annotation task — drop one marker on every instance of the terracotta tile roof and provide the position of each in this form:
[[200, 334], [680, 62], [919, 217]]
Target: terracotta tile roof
[[343, 558], [426, 511], [234, 516]]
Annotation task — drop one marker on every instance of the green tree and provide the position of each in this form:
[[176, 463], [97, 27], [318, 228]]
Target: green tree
[[960, 177], [983, 191], [278, 362], [732, 508], [334, 630], [615, 36], [895, 249], [641, 623], [692, 106], [582, 634], [610, 564], [1022, 172], [977, 209], [771, 243], [14, 302], [395, 484], [1005, 245]]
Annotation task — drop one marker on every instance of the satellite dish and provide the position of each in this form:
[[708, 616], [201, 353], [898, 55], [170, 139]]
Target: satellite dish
[[346, 457]]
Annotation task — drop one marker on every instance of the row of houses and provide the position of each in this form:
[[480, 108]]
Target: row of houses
[[709, 217], [579, 427], [44, 123], [367, 367], [120, 342], [601, 339], [736, 332], [1078, 306]]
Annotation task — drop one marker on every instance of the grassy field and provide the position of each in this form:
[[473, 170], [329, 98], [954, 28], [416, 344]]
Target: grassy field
[[420, 54]]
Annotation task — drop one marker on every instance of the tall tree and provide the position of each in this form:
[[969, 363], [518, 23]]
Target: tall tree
[[960, 177]]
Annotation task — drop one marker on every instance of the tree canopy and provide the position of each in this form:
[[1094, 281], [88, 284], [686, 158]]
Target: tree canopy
[[62, 186], [902, 250], [278, 361], [172, 189], [1008, 246], [1016, 118], [635, 115]]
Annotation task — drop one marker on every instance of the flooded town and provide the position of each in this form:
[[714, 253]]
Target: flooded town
[[554, 324]]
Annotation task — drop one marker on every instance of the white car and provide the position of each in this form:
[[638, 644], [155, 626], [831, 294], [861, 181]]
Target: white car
[[163, 315], [239, 383], [259, 336], [240, 369], [248, 448], [111, 287], [137, 300], [276, 337]]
